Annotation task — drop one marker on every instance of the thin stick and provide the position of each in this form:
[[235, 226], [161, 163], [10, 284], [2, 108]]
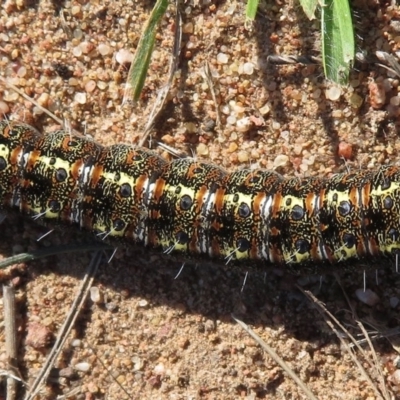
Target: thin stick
[[33, 101], [271, 352], [331, 321], [11, 339], [36, 255], [162, 95], [67, 326]]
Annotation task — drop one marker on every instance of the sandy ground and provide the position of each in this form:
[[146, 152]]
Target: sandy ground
[[148, 335]]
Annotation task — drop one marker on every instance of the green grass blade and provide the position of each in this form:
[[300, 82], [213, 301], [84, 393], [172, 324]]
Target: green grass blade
[[309, 7], [138, 71], [251, 9], [338, 49]]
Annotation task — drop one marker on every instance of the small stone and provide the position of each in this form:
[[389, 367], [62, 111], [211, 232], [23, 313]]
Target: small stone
[[248, 68], [104, 49], [377, 95], [80, 98], [232, 147], [124, 57], [333, 93], [222, 58], [281, 161], [43, 99], [367, 296], [39, 336], [202, 150], [244, 124], [345, 150], [188, 27], [243, 156], [76, 10], [76, 343], [82, 367], [159, 369], [265, 110], [90, 86], [356, 101], [143, 303], [95, 295]]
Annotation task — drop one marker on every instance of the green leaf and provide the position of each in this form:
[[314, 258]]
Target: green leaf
[[138, 71], [309, 7], [251, 9], [338, 49]]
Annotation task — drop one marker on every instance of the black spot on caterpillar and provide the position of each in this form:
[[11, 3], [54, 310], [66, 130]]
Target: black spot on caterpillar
[[253, 217]]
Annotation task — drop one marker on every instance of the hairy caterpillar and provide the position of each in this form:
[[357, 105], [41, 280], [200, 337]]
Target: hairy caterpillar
[[123, 193]]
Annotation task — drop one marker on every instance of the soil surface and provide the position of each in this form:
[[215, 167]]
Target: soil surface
[[143, 333]]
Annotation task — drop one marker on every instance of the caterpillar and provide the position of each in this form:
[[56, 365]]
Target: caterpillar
[[254, 217]]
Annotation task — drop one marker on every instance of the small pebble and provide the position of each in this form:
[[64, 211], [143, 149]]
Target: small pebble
[[248, 68], [222, 58], [124, 57], [202, 149], [95, 295], [80, 98], [82, 367], [244, 124], [143, 303], [377, 95], [90, 86], [333, 93], [38, 336], [367, 297], [281, 161], [76, 343], [265, 110], [345, 150], [104, 49], [159, 369], [188, 27]]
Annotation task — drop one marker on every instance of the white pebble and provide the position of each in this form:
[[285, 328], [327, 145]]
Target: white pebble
[[124, 56], [367, 296], [76, 343], [333, 93], [244, 124], [281, 161], [77, 51], [104, 49], [159, 369], [231, 120], [143, 303], [21, 72], [248, 68], [265, 110], [95, 294], [82, 366], [222, 58], [80, 97], [4, 37]]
